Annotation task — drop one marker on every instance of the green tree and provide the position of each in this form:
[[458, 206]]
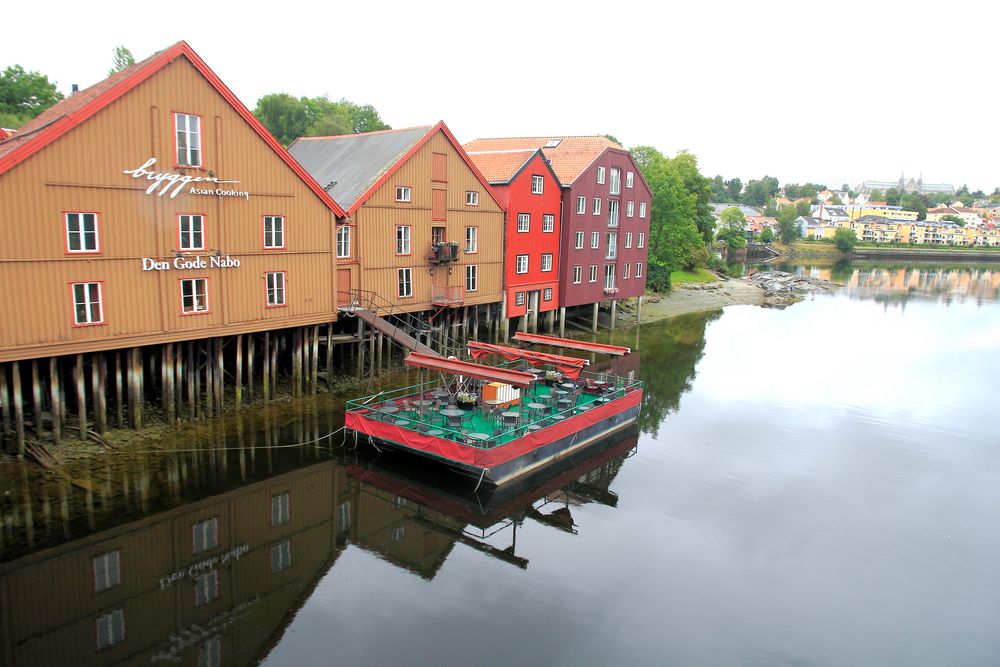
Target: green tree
[[835, 200], [24, 95], [756, 193], [734, 187], [876, 195], [911, 201], [719, 193], [698, 186], [803, 208], [788, 228], [731, 228], [289, 118], [123, 59], [611, 137], [845, 239], [892, 196], [767, 235], [771, 209], [284, 116], [954, 218]]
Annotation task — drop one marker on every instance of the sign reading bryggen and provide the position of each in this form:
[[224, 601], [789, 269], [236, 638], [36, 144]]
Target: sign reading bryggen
[[173, 184]]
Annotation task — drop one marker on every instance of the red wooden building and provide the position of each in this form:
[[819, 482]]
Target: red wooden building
[[531, 193]]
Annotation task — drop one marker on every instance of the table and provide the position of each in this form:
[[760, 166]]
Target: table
[[537, 408], [558, 392], [389, 409], [452, 412], [564, 403], [435, 432], [583, 406], [510, 416], [402, 422], [479, 436], [492, 401], [568, 386], [440, 393], [534, 427], [559, 417], [423, 403]]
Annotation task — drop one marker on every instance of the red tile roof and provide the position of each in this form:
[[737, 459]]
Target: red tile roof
[[500, 166], [569, 158]]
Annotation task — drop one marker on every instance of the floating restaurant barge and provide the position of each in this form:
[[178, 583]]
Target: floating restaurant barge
[[499, 423]]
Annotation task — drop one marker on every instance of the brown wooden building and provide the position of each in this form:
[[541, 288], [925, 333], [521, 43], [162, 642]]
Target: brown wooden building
[[150, 209]]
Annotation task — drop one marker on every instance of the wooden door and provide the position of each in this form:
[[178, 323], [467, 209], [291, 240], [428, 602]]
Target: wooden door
[[343, 287]]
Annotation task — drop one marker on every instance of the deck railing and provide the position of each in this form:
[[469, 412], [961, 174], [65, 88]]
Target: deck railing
[[447, 295]]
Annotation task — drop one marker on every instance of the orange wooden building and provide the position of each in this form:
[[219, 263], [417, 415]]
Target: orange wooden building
[[153, 209]]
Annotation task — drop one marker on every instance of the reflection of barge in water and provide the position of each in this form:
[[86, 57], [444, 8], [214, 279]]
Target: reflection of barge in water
[[522, 427]]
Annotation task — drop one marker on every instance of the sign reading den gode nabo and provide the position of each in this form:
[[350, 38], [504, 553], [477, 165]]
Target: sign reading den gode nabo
[[190, 263]]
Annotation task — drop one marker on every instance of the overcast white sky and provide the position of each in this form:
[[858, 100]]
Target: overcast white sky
[[804, 91]]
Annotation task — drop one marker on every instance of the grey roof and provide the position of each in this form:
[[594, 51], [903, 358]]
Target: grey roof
[[346, 166]]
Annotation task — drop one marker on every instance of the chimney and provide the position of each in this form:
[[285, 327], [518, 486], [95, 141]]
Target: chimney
[[74, 89]]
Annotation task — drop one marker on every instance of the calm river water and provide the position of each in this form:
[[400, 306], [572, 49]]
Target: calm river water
[[818, 485]]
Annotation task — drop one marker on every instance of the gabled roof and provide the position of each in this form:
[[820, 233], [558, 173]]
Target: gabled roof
[[502, 167], [568, 156], [351, 167], [76, 109]]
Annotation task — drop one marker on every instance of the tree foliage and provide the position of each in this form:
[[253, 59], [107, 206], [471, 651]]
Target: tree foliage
[[845, 239], [954, 218], [767, 235], [756, 193], [788, 228], [288, 117], [911, 201], [24, 95], [123, 59], [794, 191]]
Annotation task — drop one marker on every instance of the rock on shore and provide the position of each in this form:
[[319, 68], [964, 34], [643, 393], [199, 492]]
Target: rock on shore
[[783, 289]]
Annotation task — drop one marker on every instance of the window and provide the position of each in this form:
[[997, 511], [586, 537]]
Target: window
[[110, 629], [519, 299], [523, 222], [210, 652], [281, 557], [593, 273], [521, 264], [642, 209], [279, 509], [344, 516], [107, 571], [546, 261], [612, 213], [625, 270], [600, 175], [87, 304], [194, 296], [638, 269], [343, 241], [471, 240], [612, 245], [437, 235], [548, 222], [403, 246], [547, 294], [597, 206], [577, 275], [537, 183], [403, 193], [471, 198], [274, 232], [628, 239], [630, 209], [81, 232], [581, 205], [191, 232], [404, 283], [595, 240], [579, 240], [640, 241], [471, 277], [206, 588], [275, 288], [205, 535], [609, 276], [188, 129], [615, 187], [398, 533], [629, 176]]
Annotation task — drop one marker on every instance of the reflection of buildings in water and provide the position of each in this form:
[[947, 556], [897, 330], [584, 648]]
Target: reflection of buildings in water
[[215, 582], [929, 281]]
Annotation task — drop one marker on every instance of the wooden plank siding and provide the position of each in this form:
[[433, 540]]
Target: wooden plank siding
[[378, 217], [83, 171]]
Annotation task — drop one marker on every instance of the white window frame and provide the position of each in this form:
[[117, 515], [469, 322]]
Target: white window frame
[[640, 241], [210, 652], [630, 209], [471, 198], [404, 240], [92, 304], [612, 249], [638, 269], [595, 240], [274, 232], [548, 223], [592, 277], [471, 240], [642, 209], [471, 278], [547, 294], [523, 222], [615, 186], [191, 231], [343, 242], [628, 239], [596, 210], [190, 154], [613, 208], [579, 241], [600, 175], [521, 264], [404, 283], [577, 275], [609, 276], [625, 270], [198, 298], [205, 535], [87, 240], [629, 179], [546, 262], [518, 298], [537, 184], [281, 557], [581, 205], [206, 588], [106, 569], [110, 629], [404, 193], [275, 285], [279, 509]]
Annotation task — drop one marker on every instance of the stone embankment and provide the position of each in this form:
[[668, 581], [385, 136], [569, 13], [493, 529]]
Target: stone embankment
[[782, 289]]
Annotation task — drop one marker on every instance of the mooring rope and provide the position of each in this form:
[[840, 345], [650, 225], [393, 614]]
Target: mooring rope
[[233, 449], [485, 470]]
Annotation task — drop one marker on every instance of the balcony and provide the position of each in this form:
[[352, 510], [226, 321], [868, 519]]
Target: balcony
[[444, 252], [447, 295]]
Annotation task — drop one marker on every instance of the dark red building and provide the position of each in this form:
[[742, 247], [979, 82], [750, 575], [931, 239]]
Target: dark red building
[[530, 192]]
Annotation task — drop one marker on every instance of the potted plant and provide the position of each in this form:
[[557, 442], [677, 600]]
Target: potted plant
[[452, 251], [552, 377], [465, 400]]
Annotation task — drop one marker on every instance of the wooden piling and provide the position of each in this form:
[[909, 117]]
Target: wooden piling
[[250, 346], [274, 365], [562, 321], [239, 372], [96, 392], [178, 372], [267, 366], [191, 384], [15, 376], [597, 306], [167, 371], [36, 397], [4, 402], [361, 348], [220, 378], [135, 386], [119, 394], [371, 352], [55, 399], [329, 354], [81, 396], [614, 312], [314, 371], [209, 381], [296, 362]]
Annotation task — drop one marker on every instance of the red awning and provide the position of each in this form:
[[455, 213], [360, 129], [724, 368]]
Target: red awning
[[614, 350], [567, 365], [469, 369]]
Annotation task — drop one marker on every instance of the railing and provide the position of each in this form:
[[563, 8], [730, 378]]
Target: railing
[[400, 320], [447, 295]]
